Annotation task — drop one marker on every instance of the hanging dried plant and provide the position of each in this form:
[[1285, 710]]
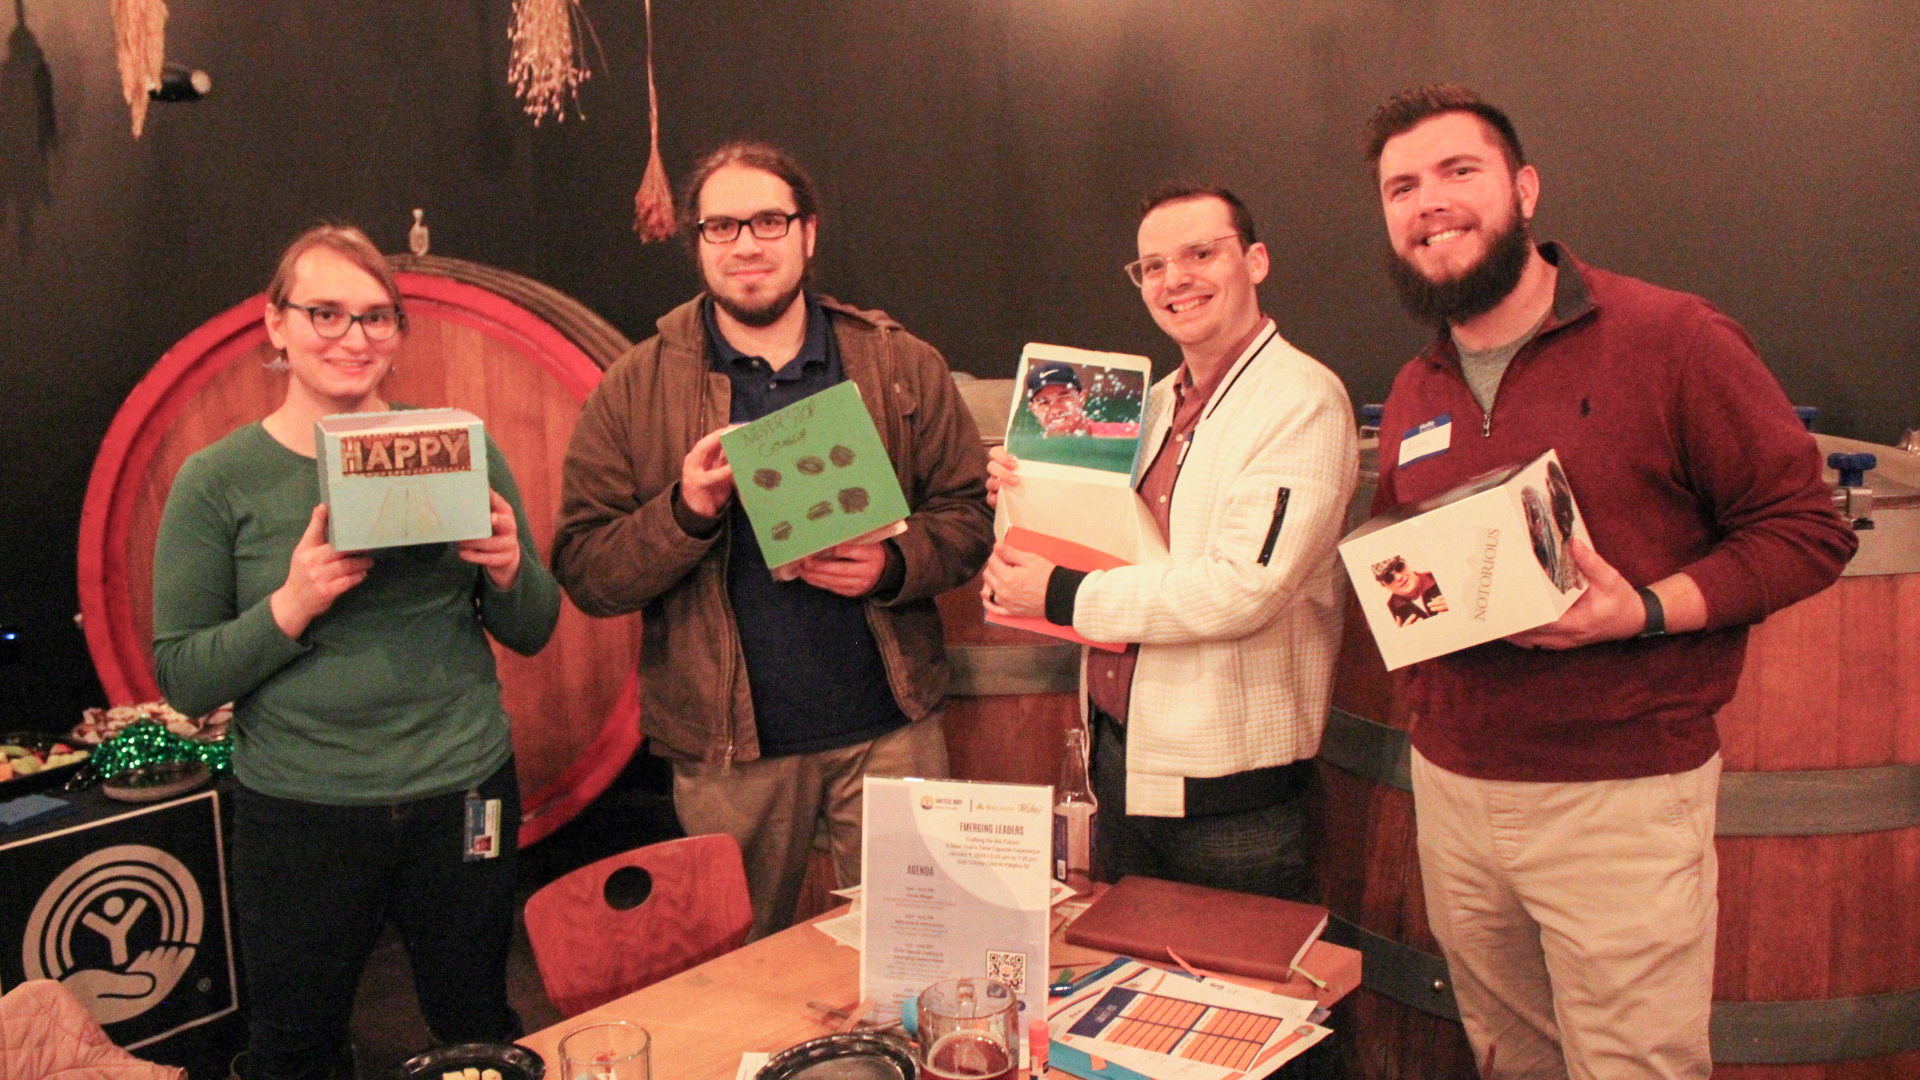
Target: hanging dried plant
[[547, 64], [653, 203], [140, 45]]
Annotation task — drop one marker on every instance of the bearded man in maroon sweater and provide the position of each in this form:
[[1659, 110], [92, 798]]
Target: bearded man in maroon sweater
[[1565, 779]]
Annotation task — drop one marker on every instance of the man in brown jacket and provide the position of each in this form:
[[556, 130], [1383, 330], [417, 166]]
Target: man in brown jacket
[[772, 699]]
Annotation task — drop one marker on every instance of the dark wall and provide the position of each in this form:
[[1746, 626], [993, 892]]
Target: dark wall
[[979, 160]]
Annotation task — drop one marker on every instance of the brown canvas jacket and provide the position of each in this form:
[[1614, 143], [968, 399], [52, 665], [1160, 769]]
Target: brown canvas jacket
[[618, 547]]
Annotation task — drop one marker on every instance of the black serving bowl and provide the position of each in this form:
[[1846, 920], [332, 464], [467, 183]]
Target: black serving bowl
[[515, 1062], [858, 1055]]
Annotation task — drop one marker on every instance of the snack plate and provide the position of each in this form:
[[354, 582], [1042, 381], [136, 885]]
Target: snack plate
[[515, 1062], [45, 778]]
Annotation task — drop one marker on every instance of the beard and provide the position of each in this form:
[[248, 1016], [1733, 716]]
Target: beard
[[766, 312], [763, 314], [1475, 292]]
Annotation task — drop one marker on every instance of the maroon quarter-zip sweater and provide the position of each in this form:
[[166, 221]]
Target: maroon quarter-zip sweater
[[1684, 455]]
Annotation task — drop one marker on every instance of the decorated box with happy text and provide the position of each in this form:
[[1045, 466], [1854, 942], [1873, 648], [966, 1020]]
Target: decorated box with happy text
[[411, 476]]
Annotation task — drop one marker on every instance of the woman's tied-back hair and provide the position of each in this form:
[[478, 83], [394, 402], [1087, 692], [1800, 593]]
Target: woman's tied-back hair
[[349, 243]]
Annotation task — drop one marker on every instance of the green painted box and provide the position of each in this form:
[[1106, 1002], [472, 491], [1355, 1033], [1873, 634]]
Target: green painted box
[[412, 476], [813, 475]]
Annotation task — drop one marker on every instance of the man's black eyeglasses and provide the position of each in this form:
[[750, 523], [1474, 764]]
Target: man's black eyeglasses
[[765, 225], [332, 323]]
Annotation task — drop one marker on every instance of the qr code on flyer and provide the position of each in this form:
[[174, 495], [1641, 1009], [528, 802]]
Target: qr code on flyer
[[1009, 968]]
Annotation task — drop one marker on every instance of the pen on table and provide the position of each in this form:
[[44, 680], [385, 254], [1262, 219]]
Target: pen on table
[[852, 1017], [1037, 1039], [830, 1010]]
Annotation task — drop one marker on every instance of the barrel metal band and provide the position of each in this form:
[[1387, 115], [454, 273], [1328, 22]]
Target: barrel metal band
[[991, 670], [1816, 802], [1819, 802], [1743, 1032], [1821, 1030], [599, 339], [1410, 976], [1368, 749]]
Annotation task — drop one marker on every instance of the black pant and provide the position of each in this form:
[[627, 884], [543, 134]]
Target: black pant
[[314, 884], [1260, 850]]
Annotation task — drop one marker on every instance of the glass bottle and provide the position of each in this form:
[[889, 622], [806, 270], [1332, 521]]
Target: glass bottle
[[1074, 809]]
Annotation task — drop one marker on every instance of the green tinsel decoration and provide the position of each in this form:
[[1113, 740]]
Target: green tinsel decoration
[[144, 742]]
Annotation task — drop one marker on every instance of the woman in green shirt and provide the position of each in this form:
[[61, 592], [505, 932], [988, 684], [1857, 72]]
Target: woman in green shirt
[[369, 742]]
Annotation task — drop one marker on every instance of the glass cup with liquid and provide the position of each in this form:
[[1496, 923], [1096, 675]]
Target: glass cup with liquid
[[616, 1050], [966, 1030]]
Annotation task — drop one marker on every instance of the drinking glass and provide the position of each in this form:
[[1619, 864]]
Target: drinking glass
[[615, 1050], [966, 1030]]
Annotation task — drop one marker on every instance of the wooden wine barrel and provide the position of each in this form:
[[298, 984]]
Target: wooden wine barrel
[[1402, 1022], [1014, 693], [518, 354], [1818, 963], [1818, 957]]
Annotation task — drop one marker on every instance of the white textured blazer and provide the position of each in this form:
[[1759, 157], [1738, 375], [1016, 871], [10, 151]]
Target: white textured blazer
[[1239, 630]]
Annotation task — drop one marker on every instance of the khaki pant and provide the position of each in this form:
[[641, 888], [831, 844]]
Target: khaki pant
[[772, 805], [1577, 919]]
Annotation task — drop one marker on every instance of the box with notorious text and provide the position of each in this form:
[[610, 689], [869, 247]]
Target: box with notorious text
[[1487, 559]]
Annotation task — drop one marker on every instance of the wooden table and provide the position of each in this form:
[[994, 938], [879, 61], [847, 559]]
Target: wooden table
[[755, 999]]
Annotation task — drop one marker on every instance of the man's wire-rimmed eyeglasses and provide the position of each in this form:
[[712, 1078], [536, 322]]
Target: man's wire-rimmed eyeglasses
[[332, 323], [765, 225], [1192, 257]]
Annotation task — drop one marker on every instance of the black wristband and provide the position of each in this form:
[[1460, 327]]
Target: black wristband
[[1063, 585], [1656, 614]]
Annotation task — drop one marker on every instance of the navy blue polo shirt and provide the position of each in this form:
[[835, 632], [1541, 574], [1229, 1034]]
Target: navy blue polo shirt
[[813, 665]]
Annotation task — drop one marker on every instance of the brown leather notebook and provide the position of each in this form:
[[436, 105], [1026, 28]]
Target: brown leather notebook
[[1212, 929]]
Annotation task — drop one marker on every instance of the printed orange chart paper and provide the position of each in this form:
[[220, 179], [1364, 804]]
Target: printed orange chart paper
[[1171, 1026]]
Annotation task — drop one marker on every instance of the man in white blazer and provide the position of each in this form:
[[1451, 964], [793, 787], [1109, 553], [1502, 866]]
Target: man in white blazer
[[1203, 729]]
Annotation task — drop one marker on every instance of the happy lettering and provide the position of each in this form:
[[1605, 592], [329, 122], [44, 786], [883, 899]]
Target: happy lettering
[[406, 454]]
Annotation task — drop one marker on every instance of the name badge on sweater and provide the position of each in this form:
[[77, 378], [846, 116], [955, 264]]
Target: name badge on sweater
[[1426, 440]]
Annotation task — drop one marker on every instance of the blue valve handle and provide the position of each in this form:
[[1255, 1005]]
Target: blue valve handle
[[1807, 414], [1852, 467], [1371, 414]]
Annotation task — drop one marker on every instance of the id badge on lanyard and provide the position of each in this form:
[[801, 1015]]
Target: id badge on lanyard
[[480, 839]]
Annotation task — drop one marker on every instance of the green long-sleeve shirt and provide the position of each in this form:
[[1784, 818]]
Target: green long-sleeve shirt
[[391, 694]]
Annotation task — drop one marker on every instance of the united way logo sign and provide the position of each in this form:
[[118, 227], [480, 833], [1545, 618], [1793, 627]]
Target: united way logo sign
[[129, 914]]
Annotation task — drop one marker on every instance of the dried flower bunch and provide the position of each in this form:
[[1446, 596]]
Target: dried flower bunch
[[547, 64], [653, 203], [140, 46]]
